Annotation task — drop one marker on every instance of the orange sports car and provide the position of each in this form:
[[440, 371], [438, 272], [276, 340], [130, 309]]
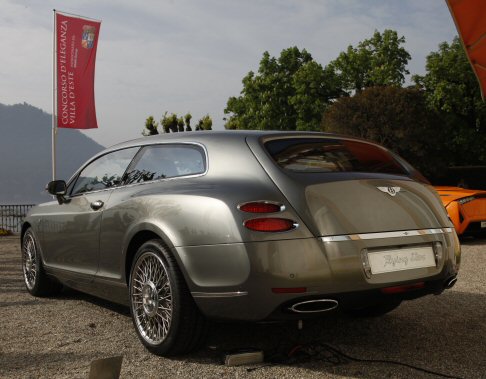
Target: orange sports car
[[466, 208]]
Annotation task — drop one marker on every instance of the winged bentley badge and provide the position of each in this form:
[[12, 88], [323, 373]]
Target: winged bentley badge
[[392, 191]]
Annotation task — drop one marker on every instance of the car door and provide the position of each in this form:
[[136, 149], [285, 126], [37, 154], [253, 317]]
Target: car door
[[127, 208], [71, 230]]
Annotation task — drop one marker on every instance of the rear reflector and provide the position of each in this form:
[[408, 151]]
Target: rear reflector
[[402, 289], [270, 224], [289, 290], [260, 207]]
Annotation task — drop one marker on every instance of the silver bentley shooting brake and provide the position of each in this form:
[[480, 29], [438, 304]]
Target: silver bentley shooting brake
[[241, 225]]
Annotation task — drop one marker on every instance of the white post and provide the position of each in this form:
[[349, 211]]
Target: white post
[[54, 103]]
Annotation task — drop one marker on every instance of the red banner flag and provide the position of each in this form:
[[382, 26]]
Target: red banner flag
[[76, 42]]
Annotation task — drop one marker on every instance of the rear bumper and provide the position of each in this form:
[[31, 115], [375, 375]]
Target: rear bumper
[[241, 281], [360, 299]]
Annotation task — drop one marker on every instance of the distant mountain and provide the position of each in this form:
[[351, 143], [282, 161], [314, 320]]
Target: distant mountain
[[25, 153]]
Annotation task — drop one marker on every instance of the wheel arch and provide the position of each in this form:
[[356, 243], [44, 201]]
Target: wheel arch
[[25, 226], [138, 236]]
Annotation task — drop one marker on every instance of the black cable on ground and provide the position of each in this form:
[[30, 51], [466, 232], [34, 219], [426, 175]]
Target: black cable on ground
[[386, 361], [333, 356]]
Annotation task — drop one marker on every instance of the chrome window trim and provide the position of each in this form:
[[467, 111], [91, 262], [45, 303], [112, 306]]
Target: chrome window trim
[[219, 294], [90, 192], [396, 234], [75, 176], [158, 180], [205, 156]]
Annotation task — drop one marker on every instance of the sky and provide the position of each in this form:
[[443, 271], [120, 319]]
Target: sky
[[191, 55]]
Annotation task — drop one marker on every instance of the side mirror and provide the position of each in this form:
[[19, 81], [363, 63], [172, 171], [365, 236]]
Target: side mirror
[[57, 188]]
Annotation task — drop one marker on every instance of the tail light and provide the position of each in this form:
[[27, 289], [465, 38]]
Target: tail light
[[261, 207], [466, 200], [270, 224], [267, 224], [404, 288]]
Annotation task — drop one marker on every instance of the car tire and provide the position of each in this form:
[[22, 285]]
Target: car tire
[[37, 282], [164, 314], [375, 310]]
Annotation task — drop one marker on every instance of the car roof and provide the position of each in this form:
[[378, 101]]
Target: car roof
[[221, 136], [212, 137]]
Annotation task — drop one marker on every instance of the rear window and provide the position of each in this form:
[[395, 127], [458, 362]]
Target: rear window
[[332, 155]]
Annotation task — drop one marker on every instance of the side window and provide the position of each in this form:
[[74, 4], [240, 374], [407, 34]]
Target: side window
[[165, 161], [105, 172]]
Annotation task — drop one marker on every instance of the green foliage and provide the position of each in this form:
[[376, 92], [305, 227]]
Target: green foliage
[[180, 124], [187, 120], [5, 232], [377, 61], [450, 83], [232, 124], [205, 123], [171, 123], [396, 118], [287, 93], [452, 91], [150, 127], [314, 87]]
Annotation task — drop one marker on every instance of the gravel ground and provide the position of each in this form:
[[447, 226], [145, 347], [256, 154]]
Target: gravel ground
[[59, 337]]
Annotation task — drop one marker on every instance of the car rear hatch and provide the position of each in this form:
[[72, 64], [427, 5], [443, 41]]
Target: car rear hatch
[[342, 186]]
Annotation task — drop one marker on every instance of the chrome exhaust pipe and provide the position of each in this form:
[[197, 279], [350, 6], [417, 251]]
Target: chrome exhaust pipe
[[450, 282], [314, 306]]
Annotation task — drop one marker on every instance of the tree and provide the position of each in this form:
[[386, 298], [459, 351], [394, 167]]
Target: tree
[[170, 123], [449, 83], [452, 91], [314, 88], [150, 127], [187, 120], [205, 123], [180, 124], [396, 118], [378, 61], [287, 93]]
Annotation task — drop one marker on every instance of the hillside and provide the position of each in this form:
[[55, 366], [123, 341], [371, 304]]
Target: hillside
[[25, 153]]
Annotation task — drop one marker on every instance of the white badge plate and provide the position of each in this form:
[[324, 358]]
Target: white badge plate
[[401, 259]]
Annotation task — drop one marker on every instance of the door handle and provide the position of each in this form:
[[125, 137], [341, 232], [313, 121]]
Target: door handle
[[95, 205]]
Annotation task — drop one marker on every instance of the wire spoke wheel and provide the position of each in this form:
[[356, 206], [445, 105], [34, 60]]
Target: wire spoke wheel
[[29, 261], [151, 297], [164, 314], [37, 282]]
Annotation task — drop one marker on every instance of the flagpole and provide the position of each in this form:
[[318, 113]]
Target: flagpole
[[54, 103]]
